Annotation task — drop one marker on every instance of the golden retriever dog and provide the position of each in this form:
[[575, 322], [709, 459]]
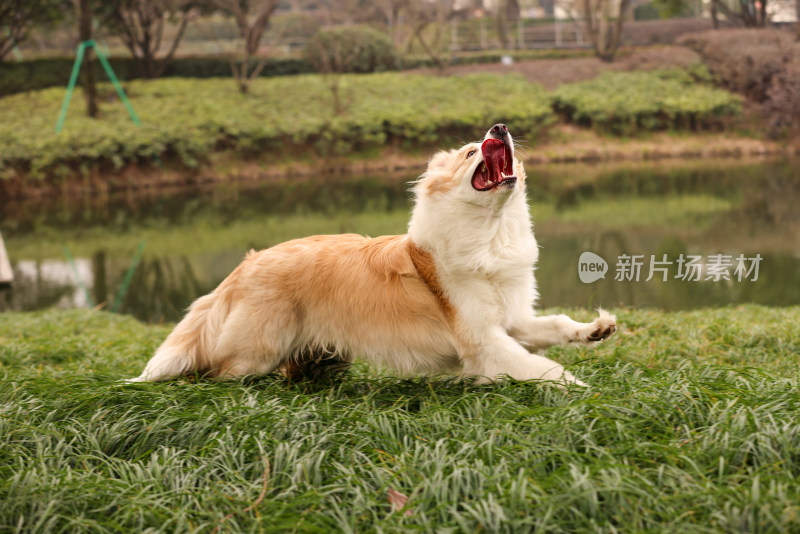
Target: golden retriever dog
[[453, 295]]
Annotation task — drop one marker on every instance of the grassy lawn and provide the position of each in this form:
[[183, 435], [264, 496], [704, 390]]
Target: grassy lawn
[[692, 425]]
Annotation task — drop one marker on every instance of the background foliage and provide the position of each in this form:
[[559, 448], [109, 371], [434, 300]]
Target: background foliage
[[287, 117], [184, 121], [33, 74], [357, 49], [628, 102], [762, 65]]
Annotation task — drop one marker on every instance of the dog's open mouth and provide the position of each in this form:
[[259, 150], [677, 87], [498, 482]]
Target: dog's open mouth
[[496, 168]]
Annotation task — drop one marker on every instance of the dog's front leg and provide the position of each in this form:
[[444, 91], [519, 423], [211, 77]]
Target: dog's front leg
[[539, 333], [498, 355]]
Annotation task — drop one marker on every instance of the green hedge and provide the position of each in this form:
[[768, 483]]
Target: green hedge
[[628, 102], [283, 118], [43, 73]]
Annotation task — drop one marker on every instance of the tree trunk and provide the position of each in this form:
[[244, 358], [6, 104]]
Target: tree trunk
[[441, 67], [243, 78], [797, 13], [715, 19], [99, 274], [500, 20], [797, 21], [763, 14], [604, 35], [89, 76]]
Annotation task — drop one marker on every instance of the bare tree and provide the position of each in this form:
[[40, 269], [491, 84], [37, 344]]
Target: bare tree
[[603, 20], [252, 18], [330, 57], [346, 49], [89, 75], [140, 25], [390, 11], [346, 12], [746, 13], [434, 14], [751, 13], [508, 11], [15, 22], [18, 16]]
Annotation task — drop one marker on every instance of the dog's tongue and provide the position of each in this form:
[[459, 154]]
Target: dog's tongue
[[494, 156]]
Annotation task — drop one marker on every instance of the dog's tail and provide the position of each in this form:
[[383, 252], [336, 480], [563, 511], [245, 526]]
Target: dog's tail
[[191, 344]]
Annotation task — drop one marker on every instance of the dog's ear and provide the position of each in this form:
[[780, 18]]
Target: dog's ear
[[439, 160], [519, 171]]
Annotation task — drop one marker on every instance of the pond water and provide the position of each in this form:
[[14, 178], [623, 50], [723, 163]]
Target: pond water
[[705, 233]]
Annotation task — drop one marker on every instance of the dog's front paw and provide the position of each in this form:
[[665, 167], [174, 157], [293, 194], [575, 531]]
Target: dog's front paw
[[602, 327]]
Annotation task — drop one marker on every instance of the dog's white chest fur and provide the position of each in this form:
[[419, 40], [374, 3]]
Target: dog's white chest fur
[[485, 256]]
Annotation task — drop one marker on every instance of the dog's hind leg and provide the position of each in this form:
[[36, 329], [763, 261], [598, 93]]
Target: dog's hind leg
[[311, 364], [255, 340]]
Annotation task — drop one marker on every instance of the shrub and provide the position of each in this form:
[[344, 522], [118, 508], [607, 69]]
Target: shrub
[[763, 65], [42, 73], [744, 60], [353, 49], [627, 102], [783, 101]]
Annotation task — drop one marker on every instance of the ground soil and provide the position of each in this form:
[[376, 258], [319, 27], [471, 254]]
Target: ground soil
[[553, 72]]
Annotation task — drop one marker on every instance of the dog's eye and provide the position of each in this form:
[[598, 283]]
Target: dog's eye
[[471, 153]]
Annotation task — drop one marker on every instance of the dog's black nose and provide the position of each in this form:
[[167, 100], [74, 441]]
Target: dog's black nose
[[499, 131]]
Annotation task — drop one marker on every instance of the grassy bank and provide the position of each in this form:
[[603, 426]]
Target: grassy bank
[[312, 122], [282, 119], [691, 425]]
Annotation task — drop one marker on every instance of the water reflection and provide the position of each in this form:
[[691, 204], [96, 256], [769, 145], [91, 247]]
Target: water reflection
[[195, 237], [45, 284]]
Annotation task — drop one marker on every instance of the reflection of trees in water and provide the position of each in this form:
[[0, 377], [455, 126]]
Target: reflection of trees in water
[[559, 285], [611, 245], [33, 293], [161, 289], [772, 202], [227, 202], [765, 219]]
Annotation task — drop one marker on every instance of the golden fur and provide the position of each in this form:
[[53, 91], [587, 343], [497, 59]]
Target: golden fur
[[454, 294]]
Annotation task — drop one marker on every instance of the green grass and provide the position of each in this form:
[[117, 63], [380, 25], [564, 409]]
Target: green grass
[[692, 425]]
